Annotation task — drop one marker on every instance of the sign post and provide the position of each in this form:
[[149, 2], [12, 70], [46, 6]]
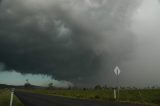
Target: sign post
[[12, 94], [117, 72]]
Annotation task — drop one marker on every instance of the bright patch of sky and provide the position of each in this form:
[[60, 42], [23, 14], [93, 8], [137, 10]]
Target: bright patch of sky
[[144, 67], [15, 78]]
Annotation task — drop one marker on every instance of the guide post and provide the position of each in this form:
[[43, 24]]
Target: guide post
[[114, 93], [12, 94]]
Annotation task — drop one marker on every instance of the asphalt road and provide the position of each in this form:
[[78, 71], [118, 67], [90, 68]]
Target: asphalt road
[[30, 99]]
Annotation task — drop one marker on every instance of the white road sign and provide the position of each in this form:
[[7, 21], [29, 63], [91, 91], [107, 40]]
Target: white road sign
[[117, 70]]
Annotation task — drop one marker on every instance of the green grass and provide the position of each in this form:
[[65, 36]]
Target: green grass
[[5, 99], [150, 96], [145, 96]]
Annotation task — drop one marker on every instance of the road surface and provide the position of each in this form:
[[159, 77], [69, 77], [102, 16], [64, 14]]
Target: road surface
[[30, 99]]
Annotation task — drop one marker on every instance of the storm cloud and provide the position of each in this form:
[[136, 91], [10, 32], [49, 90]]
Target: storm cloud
[[67, 39]]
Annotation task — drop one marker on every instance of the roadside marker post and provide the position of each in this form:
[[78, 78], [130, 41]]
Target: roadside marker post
[[115, 94], [117, 72], [12, 94]]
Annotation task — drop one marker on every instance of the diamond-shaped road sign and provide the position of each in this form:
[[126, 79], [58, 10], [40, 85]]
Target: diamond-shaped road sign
[[117, 70]]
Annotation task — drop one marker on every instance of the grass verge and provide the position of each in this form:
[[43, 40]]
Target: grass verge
[[143, 96], [5, 98]]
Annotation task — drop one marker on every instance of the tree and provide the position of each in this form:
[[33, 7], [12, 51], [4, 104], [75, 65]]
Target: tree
[[97, 87], [105, 87], [50, 85], [27, 84]]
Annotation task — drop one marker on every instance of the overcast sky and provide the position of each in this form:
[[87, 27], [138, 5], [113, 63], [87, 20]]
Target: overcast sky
[[79, 42]]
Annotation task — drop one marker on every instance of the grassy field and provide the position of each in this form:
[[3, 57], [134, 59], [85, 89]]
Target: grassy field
[[148, 96], [5, 99]]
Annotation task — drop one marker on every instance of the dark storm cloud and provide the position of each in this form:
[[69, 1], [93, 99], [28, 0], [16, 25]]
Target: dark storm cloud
[[0, 0], [66, 39]]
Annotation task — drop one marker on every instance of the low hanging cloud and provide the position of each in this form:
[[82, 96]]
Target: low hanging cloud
[[68, 39]]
